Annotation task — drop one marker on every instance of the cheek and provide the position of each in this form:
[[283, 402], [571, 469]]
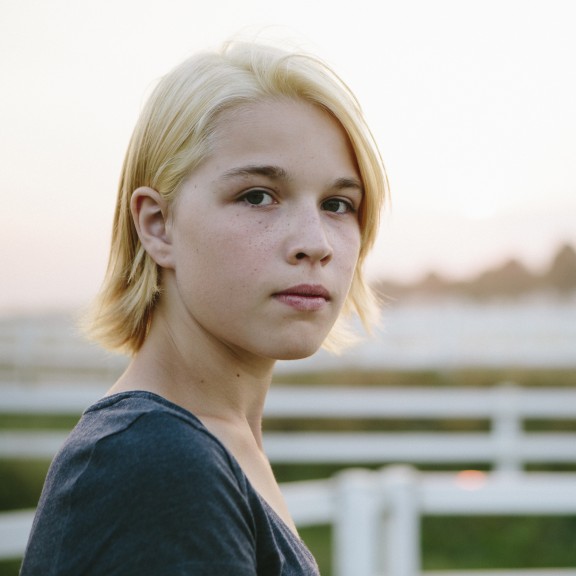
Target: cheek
[[225, 258], [247, 248], [349, 248]]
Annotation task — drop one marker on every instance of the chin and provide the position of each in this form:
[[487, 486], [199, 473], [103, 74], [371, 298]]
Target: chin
[[298, 351], [295, 344]]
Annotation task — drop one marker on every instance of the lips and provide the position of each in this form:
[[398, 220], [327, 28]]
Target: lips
[[304, 297]]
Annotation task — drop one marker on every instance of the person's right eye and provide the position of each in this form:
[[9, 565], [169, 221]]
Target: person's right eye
[[257, 197]]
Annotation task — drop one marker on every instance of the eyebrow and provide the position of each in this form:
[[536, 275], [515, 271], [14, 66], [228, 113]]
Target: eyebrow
[[344, 183], [278, 173], [274, 172]]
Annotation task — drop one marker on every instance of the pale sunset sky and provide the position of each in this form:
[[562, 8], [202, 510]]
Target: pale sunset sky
[[473, 104]]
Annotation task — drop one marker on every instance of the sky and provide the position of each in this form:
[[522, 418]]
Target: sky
[[472, 103]]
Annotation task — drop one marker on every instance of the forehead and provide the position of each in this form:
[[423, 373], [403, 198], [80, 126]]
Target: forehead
[[284, 128]]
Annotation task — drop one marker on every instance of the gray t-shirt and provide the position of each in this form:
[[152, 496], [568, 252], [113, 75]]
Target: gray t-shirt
[[141, 487]]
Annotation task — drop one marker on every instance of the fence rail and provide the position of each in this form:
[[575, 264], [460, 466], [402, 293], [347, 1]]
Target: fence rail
[[506, 446]]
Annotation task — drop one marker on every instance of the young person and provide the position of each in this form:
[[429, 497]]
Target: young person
[[249, 198]]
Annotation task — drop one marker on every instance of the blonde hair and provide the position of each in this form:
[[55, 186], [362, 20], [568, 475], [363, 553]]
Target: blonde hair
[[174, 135]]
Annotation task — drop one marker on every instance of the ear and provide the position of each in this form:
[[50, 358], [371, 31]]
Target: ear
[[150, 215]]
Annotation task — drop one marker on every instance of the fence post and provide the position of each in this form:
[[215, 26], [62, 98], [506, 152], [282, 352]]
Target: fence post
[[355, 538], [402, 521], [507, 428]]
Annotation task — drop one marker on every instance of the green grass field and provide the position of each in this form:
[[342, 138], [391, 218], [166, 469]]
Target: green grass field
[[447, 543]]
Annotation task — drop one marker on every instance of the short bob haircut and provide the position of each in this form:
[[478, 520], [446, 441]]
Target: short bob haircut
[[173, 136]]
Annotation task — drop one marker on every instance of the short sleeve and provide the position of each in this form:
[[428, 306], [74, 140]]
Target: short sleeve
[[159, 497]]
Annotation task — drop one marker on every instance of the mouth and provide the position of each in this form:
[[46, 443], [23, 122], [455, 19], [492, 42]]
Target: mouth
[[304, 297]]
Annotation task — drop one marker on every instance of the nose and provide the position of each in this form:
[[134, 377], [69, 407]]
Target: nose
[[308, 239]]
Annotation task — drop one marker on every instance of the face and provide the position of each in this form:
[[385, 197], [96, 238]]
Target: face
[[265, 235]]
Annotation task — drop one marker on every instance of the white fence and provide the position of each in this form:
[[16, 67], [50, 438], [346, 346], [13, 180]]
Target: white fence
[[375, 514], [505, 446]]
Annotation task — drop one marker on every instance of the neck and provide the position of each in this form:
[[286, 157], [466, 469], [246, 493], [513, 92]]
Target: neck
[[203, 375]]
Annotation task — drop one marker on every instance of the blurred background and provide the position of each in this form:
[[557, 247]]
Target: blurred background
[[473, 106]]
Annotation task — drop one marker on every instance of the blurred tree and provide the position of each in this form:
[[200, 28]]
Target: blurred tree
[[562, 273]]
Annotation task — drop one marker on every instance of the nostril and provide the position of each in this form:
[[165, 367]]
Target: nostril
[[300, 255]]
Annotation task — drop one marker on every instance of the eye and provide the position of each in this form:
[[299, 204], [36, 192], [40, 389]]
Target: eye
[[338, 206], [257, 197]]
